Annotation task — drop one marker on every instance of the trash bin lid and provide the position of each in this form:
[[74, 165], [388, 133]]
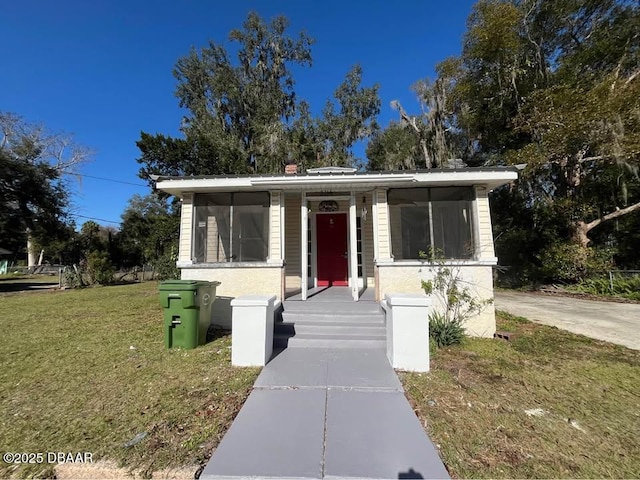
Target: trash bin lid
[[181, 285]]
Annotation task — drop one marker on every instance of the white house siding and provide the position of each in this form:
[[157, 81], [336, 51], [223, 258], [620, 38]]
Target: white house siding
[[384, 242], [186, 225], [484, 224], [292, 240], [236, 281], [399, 278], [274, 226]]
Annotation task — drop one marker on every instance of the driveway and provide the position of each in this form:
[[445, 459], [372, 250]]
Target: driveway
[[609, 321]]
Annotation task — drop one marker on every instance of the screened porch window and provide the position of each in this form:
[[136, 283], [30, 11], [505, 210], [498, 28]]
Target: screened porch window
[[231, 227], [431, 220]]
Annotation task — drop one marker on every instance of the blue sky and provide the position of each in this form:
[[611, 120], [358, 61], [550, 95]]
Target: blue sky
[[102, 70]]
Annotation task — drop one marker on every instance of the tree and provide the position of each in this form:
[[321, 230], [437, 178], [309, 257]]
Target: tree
[[244, 115], [395, 148], [238, 111], [354, 119], [554, 86], [33, 193], [149, 230]]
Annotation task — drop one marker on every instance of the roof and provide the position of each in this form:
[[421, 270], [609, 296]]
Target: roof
[[335, 179]]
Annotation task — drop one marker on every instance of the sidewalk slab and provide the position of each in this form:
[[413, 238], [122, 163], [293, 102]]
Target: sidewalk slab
[[277, 434], [294, 367], [360, 368], [376, 435]]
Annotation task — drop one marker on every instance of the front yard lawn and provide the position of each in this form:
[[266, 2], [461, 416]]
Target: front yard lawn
[[548, 404], [86, 371]]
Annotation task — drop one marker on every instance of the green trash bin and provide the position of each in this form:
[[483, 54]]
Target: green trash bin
[[187, 311]]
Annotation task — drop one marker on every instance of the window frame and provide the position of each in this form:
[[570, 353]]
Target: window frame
[[234, 237], [466, 196]]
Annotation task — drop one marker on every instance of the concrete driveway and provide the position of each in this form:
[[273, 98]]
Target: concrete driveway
[[609, 321]]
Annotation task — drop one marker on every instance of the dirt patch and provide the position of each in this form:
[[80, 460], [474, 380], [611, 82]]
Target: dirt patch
[[110, 470]]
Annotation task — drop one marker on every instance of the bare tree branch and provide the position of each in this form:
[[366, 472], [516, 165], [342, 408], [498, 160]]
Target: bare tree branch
[[610, 216], [632, 77], [411, 121]]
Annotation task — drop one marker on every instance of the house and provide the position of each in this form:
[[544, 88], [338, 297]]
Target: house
[[295, 233]]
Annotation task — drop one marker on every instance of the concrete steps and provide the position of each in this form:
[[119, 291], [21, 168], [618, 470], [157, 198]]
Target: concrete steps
[[325, 340], [330, 325]]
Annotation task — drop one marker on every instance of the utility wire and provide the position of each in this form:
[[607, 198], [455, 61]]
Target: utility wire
[[93, 218], [110, 180]]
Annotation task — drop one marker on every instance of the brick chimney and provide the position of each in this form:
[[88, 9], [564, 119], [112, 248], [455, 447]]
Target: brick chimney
[[291, 169]]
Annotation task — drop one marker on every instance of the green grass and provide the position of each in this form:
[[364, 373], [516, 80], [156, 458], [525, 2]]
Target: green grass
[[473, 404], [86, 370]]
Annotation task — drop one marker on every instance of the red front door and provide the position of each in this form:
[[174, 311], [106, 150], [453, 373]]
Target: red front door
[[331, 231]]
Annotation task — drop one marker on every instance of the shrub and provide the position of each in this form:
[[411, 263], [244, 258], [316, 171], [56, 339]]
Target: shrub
[[445, 332], [458, 302], [571, 262], [100, 268], [72, 278], [166, 268], [626, 287]]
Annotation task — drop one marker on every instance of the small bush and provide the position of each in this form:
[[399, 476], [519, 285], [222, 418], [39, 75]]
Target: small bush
[[443, 331], [72, 278], [100, 268], [166, 268], [571, 263]]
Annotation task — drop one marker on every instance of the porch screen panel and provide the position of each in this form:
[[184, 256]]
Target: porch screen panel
[[452, 222], [200, 235], [250, 226], [409, 216], [231, 227], [431, 220], [219, 229]]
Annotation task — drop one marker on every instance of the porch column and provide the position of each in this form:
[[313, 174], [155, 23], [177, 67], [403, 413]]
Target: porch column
[[275, 228], [187, 230], [353, 247], [382, 229], [304, 226]]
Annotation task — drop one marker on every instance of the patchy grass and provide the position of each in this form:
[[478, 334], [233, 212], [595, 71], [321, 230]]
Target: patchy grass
[[582, 397], [86, 371]]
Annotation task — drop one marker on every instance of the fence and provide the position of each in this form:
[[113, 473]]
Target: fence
[[623, 274]]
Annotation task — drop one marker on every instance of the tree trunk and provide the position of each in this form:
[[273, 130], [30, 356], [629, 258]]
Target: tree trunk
[[31, 251], [580, 234]]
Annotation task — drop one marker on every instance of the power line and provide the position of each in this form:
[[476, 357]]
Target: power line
[[93, 218], [111, 180]]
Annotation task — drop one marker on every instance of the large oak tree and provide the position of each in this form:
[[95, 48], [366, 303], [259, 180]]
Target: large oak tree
[[243, 114]]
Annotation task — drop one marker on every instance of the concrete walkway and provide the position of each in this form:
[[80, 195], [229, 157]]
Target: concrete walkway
[[609, 321], [326, 413]]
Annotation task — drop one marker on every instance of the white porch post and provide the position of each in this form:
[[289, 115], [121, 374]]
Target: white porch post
[[353, 247], [304, 226], [374, 218]]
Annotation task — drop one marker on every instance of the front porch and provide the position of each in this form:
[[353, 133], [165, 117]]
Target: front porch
[[334, 297], [289, 236]]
